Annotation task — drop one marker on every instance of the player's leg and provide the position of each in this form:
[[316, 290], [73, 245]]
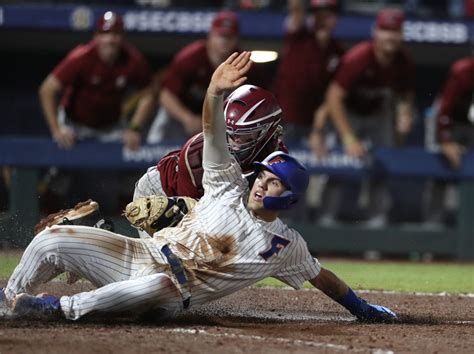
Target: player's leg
[[97, 255], [135, 296]]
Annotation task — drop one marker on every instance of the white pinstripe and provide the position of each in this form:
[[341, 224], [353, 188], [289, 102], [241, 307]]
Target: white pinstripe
[[220, 242], [149, 184], [123, 269]]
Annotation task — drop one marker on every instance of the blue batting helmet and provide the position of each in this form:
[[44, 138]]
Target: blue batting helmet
[[293, 175]]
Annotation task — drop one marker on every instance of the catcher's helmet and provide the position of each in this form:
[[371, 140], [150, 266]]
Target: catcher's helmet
[[109, 22], [252, 115], [293, 175]]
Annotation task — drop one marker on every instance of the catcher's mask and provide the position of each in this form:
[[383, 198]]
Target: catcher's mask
[[293, 175], [252, 115]]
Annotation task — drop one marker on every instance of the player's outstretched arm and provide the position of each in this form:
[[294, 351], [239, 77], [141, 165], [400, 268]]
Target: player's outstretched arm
[[229, 75], [336, 289]]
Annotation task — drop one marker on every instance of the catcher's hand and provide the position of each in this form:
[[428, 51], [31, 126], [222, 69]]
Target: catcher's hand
[[155, 212]]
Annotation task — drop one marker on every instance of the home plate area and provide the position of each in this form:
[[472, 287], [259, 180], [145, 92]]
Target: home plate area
[[257, 320]]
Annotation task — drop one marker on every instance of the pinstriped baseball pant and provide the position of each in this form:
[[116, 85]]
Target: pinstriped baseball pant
[[128, 277]]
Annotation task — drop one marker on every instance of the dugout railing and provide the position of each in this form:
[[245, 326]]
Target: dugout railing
[[26, 156]]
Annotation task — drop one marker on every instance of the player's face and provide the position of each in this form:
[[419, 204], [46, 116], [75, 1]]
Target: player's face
[[238, 142], [388, 41], [266, 185], [109, 44], [325, 20]]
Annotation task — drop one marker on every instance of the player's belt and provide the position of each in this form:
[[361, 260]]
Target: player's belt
[[178, 271]]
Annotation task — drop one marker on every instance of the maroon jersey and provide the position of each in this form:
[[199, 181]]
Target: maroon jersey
[[181, 170], [303, 75], [189, 75], [456, 99], [94, 90], [365, 80]]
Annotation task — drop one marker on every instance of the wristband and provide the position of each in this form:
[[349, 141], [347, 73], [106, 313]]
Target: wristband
[[135, 127], [353, 303], [212, 95], [348, 139]]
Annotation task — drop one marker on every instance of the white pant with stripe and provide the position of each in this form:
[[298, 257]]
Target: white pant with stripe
[[128, 277]]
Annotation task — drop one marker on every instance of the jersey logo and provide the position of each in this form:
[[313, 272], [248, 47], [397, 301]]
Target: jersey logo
[[277, 244]]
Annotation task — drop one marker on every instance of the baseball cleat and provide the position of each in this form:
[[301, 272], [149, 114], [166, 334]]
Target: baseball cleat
[[3, 299], [5, 310], [85, 213], [36, 307]]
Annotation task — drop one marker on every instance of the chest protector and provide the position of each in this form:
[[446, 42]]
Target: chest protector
[[181, 170]]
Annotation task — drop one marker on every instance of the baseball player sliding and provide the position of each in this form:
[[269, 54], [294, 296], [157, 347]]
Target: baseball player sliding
[[231, 239]]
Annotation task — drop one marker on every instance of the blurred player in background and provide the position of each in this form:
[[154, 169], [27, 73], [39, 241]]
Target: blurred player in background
[[94, 79], [455, 118], [454, 130], [309, 58], [185, 81], [373, 91]]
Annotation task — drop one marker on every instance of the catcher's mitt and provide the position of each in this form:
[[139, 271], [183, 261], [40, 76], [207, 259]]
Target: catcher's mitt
[[155, 212], [83, 213]]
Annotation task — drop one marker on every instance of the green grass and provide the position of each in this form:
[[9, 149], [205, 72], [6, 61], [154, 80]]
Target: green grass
[[7, 263], [397, 276], [400, 276]]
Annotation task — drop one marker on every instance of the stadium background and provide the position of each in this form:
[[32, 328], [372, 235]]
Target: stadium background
[[35, 36]]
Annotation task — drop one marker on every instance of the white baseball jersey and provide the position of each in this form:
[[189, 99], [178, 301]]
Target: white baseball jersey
[[224, 247]]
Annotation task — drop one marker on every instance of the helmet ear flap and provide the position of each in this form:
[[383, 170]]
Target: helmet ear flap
[[283, 202]]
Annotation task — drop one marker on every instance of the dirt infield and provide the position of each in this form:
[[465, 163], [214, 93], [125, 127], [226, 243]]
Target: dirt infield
[[257, 321]]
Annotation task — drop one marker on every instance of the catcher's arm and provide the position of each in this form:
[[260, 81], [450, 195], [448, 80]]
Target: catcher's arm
[[155, 212]]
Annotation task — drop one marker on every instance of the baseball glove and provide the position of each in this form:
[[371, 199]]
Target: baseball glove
[[83, 213], [155, 212]]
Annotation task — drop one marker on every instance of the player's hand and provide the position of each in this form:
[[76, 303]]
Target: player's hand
[[404, 123], [64, 137], [192, 124], [453, 152], [131, 139], [318, 145], [355, 149], [230, 74], [375, 314]]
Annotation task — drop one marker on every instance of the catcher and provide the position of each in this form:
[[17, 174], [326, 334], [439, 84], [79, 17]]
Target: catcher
[[252, 119]]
